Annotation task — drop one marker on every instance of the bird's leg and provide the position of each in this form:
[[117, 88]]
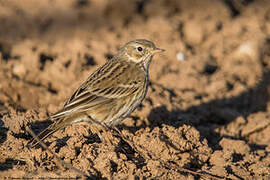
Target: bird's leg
[[104, 129], [117, 131], [107, 129], [143, 152]]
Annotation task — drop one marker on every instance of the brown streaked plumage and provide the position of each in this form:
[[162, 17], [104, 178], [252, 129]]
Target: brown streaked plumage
[[111, 93]]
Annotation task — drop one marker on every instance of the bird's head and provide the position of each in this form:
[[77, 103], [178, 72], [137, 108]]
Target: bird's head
[[139, 51]]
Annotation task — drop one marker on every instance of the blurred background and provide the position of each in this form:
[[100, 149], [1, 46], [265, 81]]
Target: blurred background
[[214, 76]]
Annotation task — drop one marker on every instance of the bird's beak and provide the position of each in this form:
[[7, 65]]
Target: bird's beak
[[157, 50]]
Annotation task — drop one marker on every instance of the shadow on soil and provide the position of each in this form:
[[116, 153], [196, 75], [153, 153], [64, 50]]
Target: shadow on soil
[[206, 117]]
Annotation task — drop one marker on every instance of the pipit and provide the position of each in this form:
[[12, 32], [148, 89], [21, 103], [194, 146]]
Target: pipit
[[111, 92]]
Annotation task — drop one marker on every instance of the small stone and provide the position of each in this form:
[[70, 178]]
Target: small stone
[[180, 56], [19, 70], [247, 49]]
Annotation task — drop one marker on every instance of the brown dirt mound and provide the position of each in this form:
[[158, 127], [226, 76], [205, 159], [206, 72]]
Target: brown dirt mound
[[208, 112]]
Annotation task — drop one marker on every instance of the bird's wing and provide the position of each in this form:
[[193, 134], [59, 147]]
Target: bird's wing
[[109, 83]]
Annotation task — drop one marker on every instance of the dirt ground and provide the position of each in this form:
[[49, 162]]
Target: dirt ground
[[207, 109]]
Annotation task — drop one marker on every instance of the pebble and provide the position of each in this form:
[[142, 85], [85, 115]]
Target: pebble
[[180, 56], [19, 70], [249, 49]]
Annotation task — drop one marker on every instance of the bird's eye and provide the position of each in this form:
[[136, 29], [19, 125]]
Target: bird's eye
[[139, 48]]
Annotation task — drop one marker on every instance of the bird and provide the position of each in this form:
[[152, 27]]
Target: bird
[[110, 93]]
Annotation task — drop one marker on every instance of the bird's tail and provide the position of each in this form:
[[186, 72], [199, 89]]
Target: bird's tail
[[47, 132]]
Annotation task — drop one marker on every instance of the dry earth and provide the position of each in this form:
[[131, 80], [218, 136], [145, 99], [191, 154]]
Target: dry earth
[[208, 111]]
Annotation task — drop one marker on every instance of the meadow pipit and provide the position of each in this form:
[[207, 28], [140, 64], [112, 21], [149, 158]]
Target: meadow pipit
[[111, 93]]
